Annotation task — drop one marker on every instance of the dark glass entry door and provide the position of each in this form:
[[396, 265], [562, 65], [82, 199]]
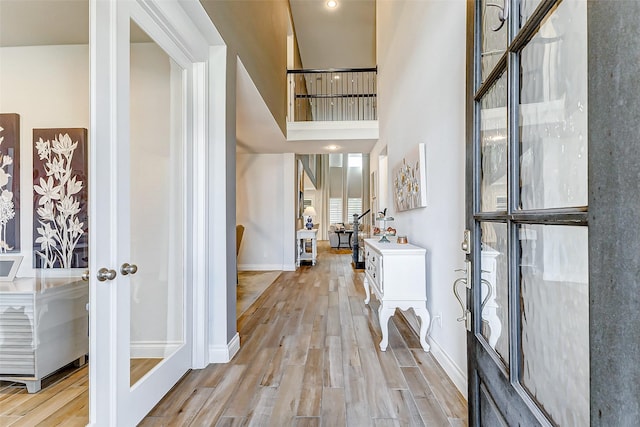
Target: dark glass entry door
[[527, 211]]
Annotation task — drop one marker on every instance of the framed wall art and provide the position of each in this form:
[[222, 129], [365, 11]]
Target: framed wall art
[[410, 180], [9, 182], [60, 198], [9, 267]]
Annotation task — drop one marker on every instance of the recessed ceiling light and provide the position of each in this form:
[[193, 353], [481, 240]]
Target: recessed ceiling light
[[337, 77], [331, 147], [332, 4]]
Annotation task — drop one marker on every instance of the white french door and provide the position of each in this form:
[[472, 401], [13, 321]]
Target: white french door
[[142, 180]]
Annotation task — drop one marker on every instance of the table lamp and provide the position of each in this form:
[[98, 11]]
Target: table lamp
[[309, 212]]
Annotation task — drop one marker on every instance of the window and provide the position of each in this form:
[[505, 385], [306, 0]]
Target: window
[[355, 160], [346, 186], [335, 210], [354, 206], [335, 160]]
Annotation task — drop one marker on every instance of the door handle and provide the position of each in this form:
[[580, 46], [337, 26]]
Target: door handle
[[85, 276], [128, 269], [105, 274]]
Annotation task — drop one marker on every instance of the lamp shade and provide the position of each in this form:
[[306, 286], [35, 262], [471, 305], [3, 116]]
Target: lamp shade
[[309, 211]]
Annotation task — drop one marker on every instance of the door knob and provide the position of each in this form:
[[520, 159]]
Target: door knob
[[85, 276], [128, 269], [106, 274]]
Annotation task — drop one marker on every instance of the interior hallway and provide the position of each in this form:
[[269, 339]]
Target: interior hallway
[[309, 356]]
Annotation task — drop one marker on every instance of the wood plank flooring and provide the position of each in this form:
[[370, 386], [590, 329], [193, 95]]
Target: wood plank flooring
[[309, 357]]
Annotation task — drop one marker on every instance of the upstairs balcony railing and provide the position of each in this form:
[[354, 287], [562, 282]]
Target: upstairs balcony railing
[[333, 95]]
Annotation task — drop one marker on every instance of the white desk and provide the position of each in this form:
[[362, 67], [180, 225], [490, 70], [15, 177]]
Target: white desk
[[302, 254], [396, 275]]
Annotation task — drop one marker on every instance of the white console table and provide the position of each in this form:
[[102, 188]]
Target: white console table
[[396, 275], [302, 254], [44, 325]]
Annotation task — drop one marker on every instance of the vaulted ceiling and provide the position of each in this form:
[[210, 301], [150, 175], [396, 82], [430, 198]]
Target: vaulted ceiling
[[342, 37]]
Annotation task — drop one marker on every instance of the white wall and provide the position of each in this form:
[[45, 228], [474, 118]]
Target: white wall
[[421, 92], [264, 206], [48, 86]]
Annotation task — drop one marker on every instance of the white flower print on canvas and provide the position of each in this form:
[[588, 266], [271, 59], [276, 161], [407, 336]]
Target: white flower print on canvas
[[60, 224], [7, 211]]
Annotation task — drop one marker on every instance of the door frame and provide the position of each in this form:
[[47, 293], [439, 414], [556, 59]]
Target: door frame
[[613, 37], [174, 25]]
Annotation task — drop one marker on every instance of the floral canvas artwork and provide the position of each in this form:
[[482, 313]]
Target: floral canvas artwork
[[60, 198], [410, 180], [9, 182]]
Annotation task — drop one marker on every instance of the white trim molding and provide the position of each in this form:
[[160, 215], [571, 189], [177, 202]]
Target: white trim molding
[[456, 375], [314, 131], [153, 349], [224, 354], [260, 267]]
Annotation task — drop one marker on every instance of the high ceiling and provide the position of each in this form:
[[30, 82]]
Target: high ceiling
[[342, 37]]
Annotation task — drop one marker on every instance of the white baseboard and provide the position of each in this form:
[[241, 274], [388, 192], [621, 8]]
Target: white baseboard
[[454, 372], [224, 353], [153, 349], [260, 267], [457, 376], [289, 267]]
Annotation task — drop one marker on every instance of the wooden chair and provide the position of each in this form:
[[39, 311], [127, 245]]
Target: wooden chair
[[239, 234]]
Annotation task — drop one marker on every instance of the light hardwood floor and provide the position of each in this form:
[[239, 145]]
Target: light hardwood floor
[[309, 357]]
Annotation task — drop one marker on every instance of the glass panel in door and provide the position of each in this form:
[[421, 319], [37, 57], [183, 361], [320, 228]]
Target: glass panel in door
[[495, 288], [493, 143], [553, 112], [157, 203], [494, 34], [44, 139], [554, 297]]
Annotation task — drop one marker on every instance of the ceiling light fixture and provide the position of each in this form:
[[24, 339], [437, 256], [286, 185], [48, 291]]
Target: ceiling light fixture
[[332, 4], [332, 147]]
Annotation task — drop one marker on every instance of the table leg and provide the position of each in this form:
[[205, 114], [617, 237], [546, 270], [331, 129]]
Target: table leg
[[298, 253], [314, 250], [425, 319], [366, 290], [385, 314]]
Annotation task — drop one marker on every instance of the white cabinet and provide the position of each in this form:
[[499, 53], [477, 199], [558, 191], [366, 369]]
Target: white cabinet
[[302, 254], [44, 325], [395, 273]]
